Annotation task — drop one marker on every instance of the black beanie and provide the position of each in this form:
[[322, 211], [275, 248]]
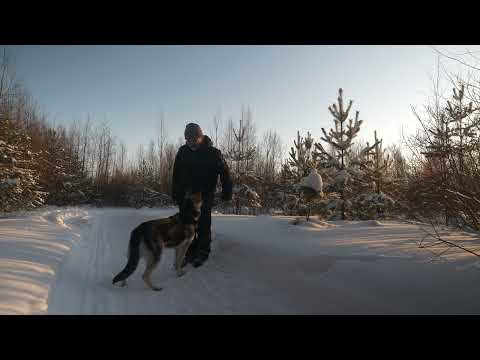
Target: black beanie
[[192, 131]]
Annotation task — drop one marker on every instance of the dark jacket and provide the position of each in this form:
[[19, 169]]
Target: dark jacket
[[199, 170]]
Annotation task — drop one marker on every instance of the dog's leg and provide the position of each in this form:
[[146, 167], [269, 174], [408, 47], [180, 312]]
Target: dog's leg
[[180, 253], [152, 262]]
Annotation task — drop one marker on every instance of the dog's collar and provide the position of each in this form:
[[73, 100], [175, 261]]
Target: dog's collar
[[183, 220]]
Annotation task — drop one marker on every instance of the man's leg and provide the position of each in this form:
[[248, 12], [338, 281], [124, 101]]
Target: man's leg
[[192, 250], [204, 238]]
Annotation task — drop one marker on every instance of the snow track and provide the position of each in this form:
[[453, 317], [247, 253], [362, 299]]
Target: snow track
[[62, 261]]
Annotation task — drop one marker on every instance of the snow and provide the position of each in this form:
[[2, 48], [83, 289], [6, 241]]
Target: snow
[[32, 249], [342, 176], [313, 223], [313, 181], [62, 261], [373, 223], [252, 194], [11, 182]]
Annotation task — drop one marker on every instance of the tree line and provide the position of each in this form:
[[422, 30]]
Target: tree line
[[86, 164]]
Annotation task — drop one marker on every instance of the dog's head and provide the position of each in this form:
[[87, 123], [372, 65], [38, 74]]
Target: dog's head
[[192, 204]]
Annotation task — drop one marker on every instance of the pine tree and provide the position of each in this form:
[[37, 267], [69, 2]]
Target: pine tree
[[341, 140], [287, 193], [300, 164], [450, 148], [373, 181], [463, 131], [377, 164], [76, 182], [19, 188], [52, 168], [242, 157], [61, 171], [302, 158], [455, 147]]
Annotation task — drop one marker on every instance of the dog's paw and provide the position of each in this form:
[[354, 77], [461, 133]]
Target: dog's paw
[[181, 272]]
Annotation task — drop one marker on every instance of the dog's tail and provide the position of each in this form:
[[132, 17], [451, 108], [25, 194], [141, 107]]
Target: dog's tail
[[136, 238]]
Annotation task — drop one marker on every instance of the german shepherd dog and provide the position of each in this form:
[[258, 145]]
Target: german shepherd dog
[[149, 239]]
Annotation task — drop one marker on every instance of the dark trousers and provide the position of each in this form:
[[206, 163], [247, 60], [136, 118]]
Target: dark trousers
[[201, 244]]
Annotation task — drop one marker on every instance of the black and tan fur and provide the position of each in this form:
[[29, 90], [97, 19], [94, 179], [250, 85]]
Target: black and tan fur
[[150, 238]]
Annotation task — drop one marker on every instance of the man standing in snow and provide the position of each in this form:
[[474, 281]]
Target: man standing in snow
[[197, 166]]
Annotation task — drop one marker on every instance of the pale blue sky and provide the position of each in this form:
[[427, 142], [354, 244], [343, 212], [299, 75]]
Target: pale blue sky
[[287, 87]]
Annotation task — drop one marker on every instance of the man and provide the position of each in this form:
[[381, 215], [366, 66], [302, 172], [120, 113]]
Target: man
[[197, 167]]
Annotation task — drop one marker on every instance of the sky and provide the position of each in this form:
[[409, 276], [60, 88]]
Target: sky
[[287, 88]]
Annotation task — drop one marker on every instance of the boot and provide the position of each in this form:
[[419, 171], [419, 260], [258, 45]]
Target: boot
[[199, 260], [188, 260]]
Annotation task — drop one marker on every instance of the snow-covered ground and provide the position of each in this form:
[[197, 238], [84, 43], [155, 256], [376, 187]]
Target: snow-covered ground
[[61, 261]]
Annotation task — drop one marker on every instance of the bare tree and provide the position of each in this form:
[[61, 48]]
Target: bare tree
[[161, 144], [216, 129]]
